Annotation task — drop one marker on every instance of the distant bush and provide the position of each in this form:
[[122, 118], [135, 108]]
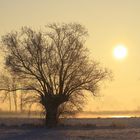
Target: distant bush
[[26, 125], [3, 125], [117, 125], [79, 125]]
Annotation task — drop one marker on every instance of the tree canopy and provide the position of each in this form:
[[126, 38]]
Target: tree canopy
[[54, 64]]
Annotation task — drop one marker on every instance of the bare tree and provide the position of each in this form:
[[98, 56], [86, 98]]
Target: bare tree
[[54, 65], [22, 97], [14, 93], [8, 84], [6, 95]]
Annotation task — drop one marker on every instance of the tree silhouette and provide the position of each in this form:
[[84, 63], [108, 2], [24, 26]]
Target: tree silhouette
[[54, 65], [8, 84]]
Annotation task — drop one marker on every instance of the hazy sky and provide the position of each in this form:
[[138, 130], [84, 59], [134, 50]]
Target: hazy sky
[[109, 22]]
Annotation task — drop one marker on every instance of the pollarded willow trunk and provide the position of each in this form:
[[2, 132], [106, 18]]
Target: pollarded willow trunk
[[51, 118], [51, 109]]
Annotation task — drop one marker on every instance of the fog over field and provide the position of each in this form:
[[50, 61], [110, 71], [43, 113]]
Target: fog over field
[[71, 129]]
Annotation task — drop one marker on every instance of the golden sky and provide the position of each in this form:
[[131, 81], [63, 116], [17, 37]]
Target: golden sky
[[109, 22]]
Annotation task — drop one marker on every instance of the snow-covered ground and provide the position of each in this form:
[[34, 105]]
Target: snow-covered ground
[[70, 134], [81, 129]]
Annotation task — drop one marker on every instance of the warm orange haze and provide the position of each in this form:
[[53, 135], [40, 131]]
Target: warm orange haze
[[109, 23], [72, 66]]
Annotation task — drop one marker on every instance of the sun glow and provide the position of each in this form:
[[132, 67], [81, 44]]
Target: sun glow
[[120, 52], [121, 116]]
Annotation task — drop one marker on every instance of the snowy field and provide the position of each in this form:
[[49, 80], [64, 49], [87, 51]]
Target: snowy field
[[69, 134], [71, 129]]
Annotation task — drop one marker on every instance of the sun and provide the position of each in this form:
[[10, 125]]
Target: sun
[[120, 52]]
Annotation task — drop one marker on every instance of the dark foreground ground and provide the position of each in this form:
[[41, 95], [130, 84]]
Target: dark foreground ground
[[71, 129], [69, 134]]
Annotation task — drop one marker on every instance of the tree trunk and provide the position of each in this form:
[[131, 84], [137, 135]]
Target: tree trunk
[[21, 102], [15, 100], [10, 107], [51, 104], [51, 117]]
